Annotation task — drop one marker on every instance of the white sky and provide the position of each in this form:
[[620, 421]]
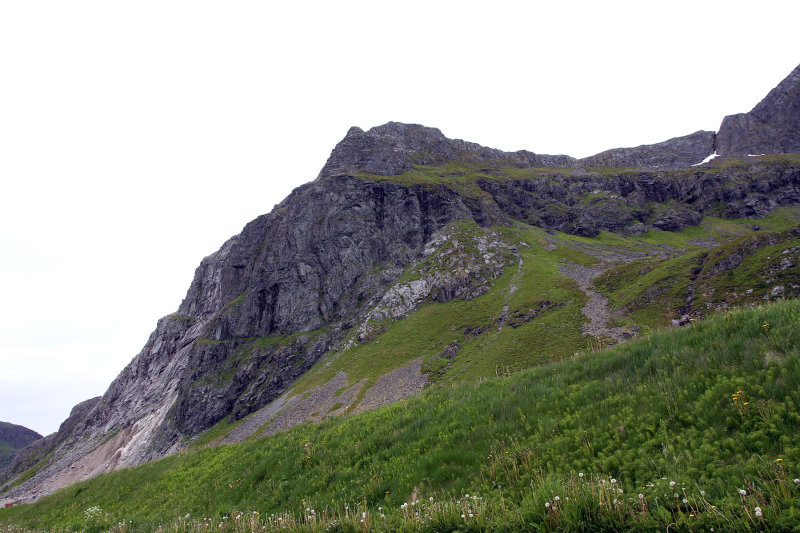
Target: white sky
[[136, 137]]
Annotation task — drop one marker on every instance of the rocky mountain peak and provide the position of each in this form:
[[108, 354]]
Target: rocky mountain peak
[[772, 126]]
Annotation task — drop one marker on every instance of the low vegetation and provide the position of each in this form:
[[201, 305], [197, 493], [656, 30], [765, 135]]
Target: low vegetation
[[692, 429]]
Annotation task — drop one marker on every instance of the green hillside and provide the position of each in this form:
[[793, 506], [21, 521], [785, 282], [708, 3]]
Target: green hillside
[[690, 428]]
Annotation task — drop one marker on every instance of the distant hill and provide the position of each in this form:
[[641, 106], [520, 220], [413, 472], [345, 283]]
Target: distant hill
[[12, 439]]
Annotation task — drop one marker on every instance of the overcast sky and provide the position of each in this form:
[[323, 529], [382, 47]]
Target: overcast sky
[[136, 137]]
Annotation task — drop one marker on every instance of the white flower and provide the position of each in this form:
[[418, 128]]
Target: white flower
[[672, 483], [187, 516], [759, 514], [641, 496], [685, 500], [742, 492], [556, 498], [462, 516], [615, 501], [466, 495], [613, 480], [580, 474], [547, 504], [702, 493], [620, 491], [470, 515], [797, 481], [430, 499], [363, 515]]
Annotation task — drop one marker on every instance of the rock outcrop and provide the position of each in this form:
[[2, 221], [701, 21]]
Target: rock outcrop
[[680, 152], [771, 127]]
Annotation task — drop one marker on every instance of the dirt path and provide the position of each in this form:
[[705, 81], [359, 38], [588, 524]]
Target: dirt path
[[596, 309]]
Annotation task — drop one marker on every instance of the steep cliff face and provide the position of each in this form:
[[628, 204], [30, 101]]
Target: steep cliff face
[[770, 127], [331, 263]]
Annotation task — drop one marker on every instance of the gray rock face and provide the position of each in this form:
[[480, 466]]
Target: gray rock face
[[626, 202], [772, 126], [680, 152], [393, 148]]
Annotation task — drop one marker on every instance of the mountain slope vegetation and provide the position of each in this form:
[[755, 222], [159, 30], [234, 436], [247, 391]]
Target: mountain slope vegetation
[[709, 407]]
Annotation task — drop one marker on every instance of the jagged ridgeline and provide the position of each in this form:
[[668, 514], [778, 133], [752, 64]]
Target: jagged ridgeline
[[414, 259]]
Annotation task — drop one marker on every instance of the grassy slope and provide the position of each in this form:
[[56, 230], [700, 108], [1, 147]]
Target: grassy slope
[[713, 406]]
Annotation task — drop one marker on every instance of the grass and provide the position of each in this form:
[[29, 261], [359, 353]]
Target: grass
[[714, 407]]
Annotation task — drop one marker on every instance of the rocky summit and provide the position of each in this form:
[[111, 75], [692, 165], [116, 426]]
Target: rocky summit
[[300, 317]]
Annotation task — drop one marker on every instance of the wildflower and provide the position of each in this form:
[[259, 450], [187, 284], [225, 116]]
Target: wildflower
[[620, 491], [797, 481], [759, 514], [742, 492], [613, 480], [556, 498], [615, 501], [702, 493], [641, 496], [685, 500], [380, 508], [672, 483], [462, 516], [470, 515], [778, 460], [466, 495], [580, 474], [363, 515], [430, 499], [187, 516], [547, 504]]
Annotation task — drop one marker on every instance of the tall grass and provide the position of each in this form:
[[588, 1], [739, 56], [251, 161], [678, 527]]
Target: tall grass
[[712, 407]]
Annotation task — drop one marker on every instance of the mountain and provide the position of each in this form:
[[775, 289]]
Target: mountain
[[413, 259], [12, 439], [770, 127]]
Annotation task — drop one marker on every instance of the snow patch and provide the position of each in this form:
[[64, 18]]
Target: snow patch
[[707, 159]]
